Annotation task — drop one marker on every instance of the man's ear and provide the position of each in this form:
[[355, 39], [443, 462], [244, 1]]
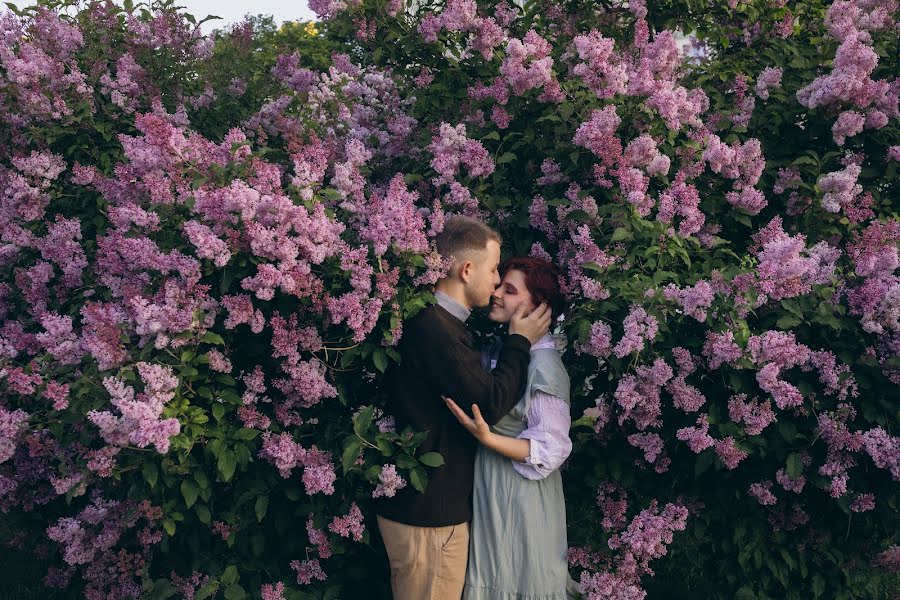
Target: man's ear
[[465, 271]]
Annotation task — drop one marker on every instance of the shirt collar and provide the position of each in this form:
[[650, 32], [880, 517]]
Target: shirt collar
[[452, 306], [548, 341]]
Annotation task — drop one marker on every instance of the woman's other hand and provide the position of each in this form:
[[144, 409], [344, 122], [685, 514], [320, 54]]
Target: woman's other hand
[[478, 427]]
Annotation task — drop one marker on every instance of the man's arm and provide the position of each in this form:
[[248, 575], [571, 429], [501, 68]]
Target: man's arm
[[451, 362]]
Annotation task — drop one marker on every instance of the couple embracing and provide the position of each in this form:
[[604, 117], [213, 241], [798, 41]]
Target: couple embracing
[[492, 521]]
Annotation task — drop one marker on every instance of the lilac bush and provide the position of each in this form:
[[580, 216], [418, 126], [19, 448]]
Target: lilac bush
[[210, 245]]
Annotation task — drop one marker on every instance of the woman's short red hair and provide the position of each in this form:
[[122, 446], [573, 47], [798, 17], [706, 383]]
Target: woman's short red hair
[[541, 279]]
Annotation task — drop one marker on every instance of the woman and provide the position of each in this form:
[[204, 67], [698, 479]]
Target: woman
[[518, 537]]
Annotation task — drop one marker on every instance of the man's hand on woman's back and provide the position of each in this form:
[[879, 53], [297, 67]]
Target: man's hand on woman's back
[[534, 325]]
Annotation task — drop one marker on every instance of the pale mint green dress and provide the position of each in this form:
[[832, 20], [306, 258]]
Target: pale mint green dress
[[518, 542]]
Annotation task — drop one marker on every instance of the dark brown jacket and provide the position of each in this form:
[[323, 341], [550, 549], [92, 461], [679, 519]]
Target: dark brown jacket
[[440, 358]]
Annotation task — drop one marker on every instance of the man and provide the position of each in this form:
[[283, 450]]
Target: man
[[427, 535]]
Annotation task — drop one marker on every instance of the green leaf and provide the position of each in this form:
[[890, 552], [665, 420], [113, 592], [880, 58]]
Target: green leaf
[[210, 588], [405, 461], [246, 434], [203, 514], [505, 158], [794, 465], [261, 506], [169, 525], [230, 575], [379, 357], [189, 491], [432, 459], [151, 473], [212, 338], [387, 448], [227, 464], [363, 420], [788, 322], [620, 234], [350, 454], [744, 593], [704, 462], [218, 411], [419, 479], [235, 592], [788, 431]]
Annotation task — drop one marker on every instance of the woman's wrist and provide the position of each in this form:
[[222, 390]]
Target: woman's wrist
[[488, 440]]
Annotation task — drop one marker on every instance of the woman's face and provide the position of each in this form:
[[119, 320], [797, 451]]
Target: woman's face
[[508, 296]]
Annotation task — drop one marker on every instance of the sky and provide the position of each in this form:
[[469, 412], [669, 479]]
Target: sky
[[232, 11]]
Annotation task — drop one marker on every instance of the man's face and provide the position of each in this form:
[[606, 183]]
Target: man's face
[[484, 275], [509, 296]]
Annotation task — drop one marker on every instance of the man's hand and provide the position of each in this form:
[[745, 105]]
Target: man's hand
[[534, 326], [478, 427]]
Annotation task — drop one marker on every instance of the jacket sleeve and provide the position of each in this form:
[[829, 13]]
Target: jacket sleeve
[[452, 363]]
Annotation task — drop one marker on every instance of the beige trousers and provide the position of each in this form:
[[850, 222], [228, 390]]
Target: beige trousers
[[427, 563]]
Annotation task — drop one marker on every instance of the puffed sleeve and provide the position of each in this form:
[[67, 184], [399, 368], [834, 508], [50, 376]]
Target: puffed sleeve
[[549, 422]]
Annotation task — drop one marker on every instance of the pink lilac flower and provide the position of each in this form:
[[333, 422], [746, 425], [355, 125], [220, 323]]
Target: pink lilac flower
[[750, 200], [598, 134], [848, 124], [769, 79], [652, 446], [884, 449], [528, 65], [59, 339], [639, 395], [240, 310], [697, 438], [272, 592], [889, 560], [308, 570], [451, 149], [840, 188], [389, 482], [599, 342], [681, 199], [58, 393], [599, 69], [207, 244], [863, 503], [613, 502], [350, 525], [647, 536], [754, 415], [12, 424], [639, 327], [729, 453], [391, 219], [219, 362], [694, 300], [788, 179], [791, 484], [762, 492], [551, 173]]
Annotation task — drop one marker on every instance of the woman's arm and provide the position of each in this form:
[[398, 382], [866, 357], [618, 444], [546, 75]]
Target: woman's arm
[[514, 448], [549, 421]]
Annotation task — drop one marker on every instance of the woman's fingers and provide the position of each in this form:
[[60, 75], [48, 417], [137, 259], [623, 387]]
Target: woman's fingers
[[477, 412], [459, 413]]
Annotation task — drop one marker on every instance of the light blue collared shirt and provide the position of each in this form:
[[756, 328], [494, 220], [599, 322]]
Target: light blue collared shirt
[[452, 306]]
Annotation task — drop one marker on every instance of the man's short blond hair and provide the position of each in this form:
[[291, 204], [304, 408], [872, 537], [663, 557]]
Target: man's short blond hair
[[462, 236]]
